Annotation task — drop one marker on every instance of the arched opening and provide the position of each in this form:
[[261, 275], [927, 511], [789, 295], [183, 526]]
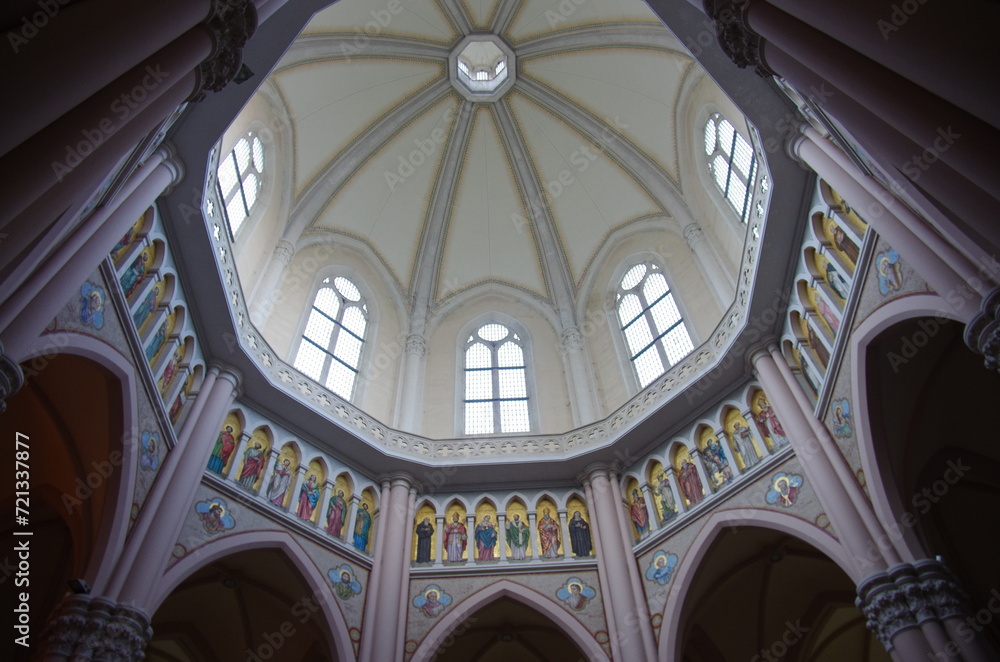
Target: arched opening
[[507, 629], [255, 602], [68, 422], [934, 449], [763, 594]]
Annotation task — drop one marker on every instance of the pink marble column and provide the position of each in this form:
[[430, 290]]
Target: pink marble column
[[395, 573], [407, 550], [156, 494], [868, 554], [22, 292], [925, 260], [375, 578], [28, 315], [602, 572], [80, 134], [943, 241], [48, 216], [896, 36], [635, 634], [155, 548], [916, 113], [85, 46], [851, 531], [916, 168]]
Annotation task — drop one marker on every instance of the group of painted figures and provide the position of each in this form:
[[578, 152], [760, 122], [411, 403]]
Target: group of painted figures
[[485, 535], [716, 465], [281, 480], [518, 536]]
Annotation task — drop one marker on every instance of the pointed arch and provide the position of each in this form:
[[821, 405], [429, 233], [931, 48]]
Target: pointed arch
[[506, 588], [882, 487], [335, 630], [670, 636], [110, 540]]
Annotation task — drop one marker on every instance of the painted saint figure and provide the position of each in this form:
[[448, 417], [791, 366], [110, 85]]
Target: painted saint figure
[[772, 426], [718, 467], [149, 460], [344, 587], [224, 447], [668, 507], [638, 514], [308, 498], [280, 480], [744, 445], [253, 463], [146, 308], [690, 482], [362, 528], [212, 518], [455, 537], [548, 535], [576, 600], [518, 536], [846, 244], [579, 535], [424, 532], [171, 369], [431, 607], [335, 515], [154, 346], [486, 539], [134, 274]]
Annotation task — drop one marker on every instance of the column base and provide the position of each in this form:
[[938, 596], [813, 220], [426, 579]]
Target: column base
[[84, 628]]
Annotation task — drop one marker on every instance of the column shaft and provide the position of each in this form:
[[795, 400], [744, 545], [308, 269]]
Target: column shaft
[[83, 48], [395, 570], [938, 273], [158, 544], [33, 310]]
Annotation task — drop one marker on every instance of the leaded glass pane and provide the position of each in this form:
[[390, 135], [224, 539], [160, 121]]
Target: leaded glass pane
[[479, 418], [648, 366], [514, 417], [512, 384], [510, 355]]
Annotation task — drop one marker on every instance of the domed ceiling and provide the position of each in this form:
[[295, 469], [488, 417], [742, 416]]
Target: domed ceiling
[[452, 187]]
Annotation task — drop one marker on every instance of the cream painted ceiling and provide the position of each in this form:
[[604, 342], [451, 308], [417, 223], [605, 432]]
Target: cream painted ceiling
[[450, 194]]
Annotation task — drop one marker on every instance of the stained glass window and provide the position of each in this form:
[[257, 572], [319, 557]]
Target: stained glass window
[[496, 392], [651, 322], [240, 179], [330, 350]]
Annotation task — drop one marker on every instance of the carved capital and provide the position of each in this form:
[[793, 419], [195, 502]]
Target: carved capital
[[416, 345], [910, 594], [982, 334], [571, 339], [284, 251], [86, 628], [231, 24], [886, 608], [693, 235], [943, 592], [11, 378], [738, 41]]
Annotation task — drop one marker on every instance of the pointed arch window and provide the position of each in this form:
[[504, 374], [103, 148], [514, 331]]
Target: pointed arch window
[[732, 162], [330, 350], [651, 322], [496, 391], [240, 179]]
